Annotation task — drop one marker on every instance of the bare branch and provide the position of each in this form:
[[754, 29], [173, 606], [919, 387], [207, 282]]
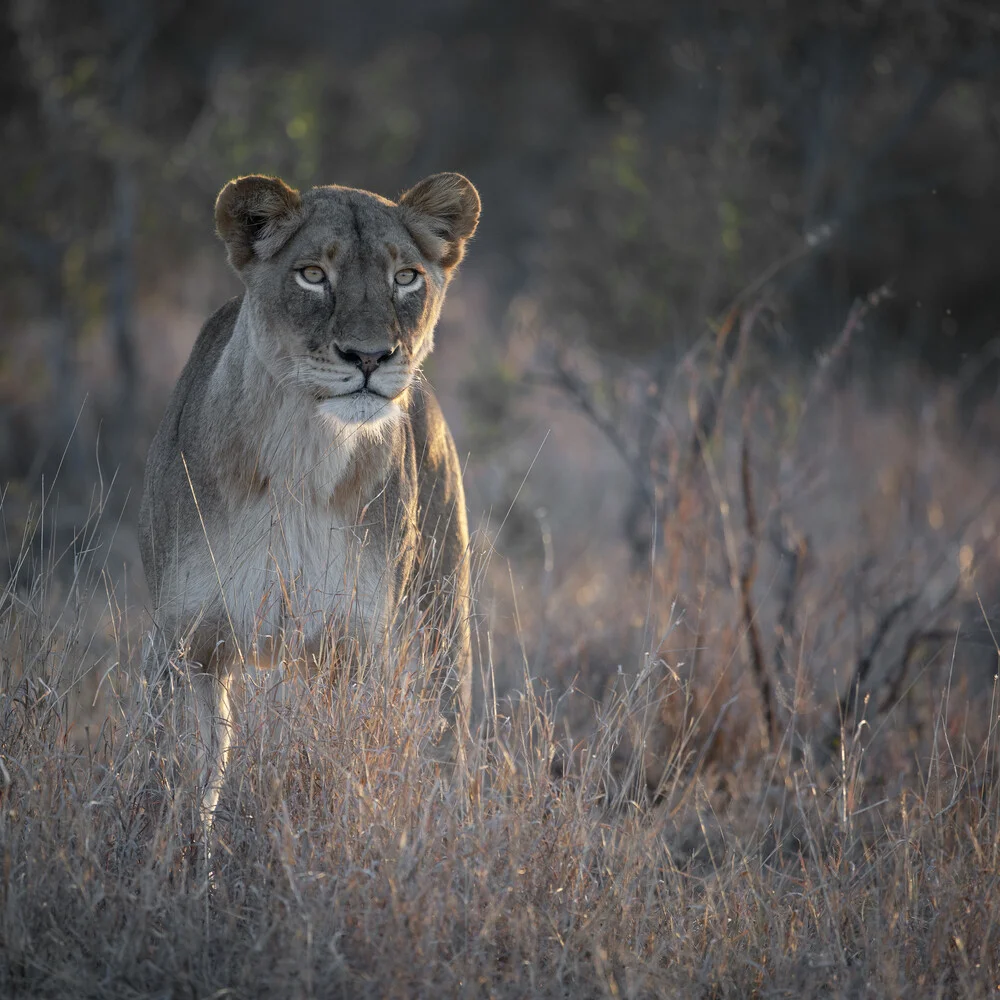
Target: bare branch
[[731, 337], [913, 644], [793, 551], [747, 576], [852, 698], [567, 381]]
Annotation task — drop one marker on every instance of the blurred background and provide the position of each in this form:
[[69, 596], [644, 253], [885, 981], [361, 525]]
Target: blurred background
[[722, 359]]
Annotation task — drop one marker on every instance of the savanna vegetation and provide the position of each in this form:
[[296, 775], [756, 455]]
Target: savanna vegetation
[[723, 362]]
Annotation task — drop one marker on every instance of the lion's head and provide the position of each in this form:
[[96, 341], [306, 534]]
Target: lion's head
[[344, 287]]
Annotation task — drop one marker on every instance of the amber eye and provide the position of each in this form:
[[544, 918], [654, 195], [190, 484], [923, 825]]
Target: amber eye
[[406, 276], [314, 275]]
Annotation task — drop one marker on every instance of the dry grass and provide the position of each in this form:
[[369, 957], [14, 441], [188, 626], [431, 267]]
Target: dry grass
[[615, 831]]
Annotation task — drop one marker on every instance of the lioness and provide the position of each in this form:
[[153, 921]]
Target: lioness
[[303, 477]]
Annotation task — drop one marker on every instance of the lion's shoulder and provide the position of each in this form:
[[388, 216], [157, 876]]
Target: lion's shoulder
[[208, 348], [164, 479], [439, 470]]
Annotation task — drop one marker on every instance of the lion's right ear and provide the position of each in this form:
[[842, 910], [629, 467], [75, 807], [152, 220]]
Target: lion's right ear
[[256, 216]]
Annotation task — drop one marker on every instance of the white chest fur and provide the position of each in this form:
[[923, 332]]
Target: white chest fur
[[283, 567], [291, 570]]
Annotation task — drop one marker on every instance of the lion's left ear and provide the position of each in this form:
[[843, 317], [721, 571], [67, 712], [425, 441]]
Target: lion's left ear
[[448, 205]]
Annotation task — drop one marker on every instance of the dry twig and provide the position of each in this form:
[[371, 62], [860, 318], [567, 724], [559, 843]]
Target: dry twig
[[747, 576]]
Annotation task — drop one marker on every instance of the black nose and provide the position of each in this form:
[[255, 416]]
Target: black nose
[[367, 361]]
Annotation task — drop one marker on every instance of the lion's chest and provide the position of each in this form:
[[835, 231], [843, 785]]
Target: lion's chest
[[282, 574], [276, 565]]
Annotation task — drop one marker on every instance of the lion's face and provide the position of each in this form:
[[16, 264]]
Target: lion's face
[[345, 287]]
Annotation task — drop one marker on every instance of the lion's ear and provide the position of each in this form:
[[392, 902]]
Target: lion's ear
[[256, 216], [447, 205]]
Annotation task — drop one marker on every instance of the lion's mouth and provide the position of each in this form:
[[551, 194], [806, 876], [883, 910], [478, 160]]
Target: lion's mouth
[[324, 395]]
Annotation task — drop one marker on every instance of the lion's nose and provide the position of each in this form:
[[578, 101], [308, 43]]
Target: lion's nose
[[367, 361]]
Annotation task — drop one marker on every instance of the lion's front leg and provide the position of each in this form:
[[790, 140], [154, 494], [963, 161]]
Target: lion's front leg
[[191, 710]]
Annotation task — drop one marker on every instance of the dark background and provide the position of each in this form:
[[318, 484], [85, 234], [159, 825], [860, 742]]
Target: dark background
[[640, 163], [685, 206]]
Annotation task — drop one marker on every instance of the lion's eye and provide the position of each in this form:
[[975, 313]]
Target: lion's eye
[[406, 276], [314, 275]]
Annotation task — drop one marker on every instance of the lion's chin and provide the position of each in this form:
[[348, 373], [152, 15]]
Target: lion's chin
[[367, 411]]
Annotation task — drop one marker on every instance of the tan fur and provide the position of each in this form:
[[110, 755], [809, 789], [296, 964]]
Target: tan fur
[[301, 480]]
